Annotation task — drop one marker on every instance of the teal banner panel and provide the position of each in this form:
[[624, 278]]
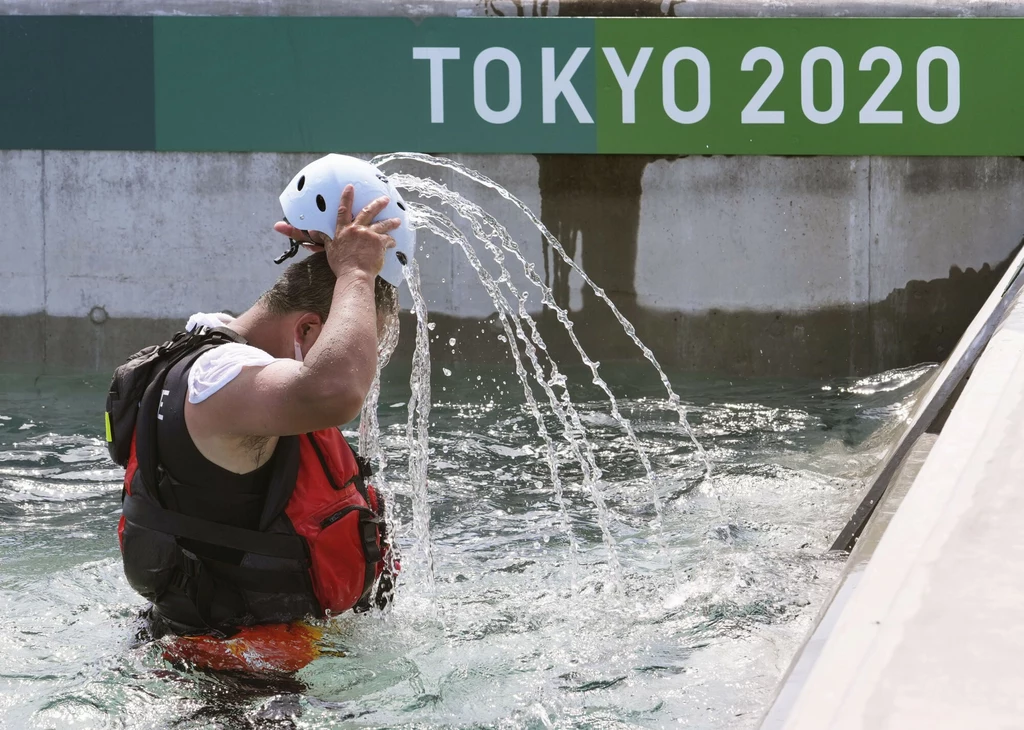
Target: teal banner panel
[[76, 83], [371, 84]]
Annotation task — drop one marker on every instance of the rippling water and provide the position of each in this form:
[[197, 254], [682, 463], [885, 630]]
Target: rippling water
[[695, 634]]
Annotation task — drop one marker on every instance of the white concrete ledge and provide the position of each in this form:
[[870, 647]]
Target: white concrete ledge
[[932, 635]]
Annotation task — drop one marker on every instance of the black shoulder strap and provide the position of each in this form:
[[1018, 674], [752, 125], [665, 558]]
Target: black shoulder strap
[[218, 334], [365, 471], [191, 344], [282, 479]]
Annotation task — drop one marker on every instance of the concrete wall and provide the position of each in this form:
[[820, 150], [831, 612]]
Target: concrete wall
[[756, 265], [806, 233]]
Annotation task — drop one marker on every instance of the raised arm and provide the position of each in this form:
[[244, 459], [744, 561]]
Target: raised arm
[[327, 389]]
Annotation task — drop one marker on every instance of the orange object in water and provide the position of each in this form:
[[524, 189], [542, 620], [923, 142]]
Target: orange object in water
[[282, 648]]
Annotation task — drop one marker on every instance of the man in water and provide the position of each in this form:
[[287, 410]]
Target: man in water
[[302, 370], [243, 504]]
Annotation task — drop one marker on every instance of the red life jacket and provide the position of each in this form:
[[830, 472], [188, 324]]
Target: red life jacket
[[310, 541]]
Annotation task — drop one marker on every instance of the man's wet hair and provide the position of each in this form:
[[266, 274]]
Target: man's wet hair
[[308, 286]]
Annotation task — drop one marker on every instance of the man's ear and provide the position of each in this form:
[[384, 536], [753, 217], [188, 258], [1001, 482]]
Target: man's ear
[[308, 322]]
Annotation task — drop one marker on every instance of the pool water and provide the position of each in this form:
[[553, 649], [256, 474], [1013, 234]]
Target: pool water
[[513, 631]]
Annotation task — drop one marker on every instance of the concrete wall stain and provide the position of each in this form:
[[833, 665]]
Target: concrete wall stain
[[593, 201], [924, 319], [618, 9], [581, 8], [950, 174], [759, 172], [918, 323], [517, 8]]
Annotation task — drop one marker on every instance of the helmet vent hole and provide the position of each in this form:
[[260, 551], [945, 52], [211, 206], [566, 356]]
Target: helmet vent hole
[[321, 203], [302, 182], [401, 258], [401, 205]]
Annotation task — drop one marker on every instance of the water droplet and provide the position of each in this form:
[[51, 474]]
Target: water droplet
[[452, 342], [503, 338], [447, 372], [431, 325]]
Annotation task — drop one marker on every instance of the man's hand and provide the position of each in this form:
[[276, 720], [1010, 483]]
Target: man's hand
[[358, 243]]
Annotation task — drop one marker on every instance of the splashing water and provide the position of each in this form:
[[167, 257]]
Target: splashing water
[[674, 402], [518, 646], [369, 439], [520, 327], [417, 426], [442, 226]]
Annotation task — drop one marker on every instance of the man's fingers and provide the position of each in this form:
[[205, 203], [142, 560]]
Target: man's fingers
[[345, 209], [388, 224], [389, 242], [367, 214], [316, 238], [286, 229]]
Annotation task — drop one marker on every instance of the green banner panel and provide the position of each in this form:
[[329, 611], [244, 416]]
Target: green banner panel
[[813, 86], [76, 83], [785, 86]]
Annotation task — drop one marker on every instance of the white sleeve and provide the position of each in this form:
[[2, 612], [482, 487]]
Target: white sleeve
[[202, 319], [217, 367]]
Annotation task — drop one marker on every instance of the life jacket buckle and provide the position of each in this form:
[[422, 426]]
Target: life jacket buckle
[[365, 470], [189, 566], [368, 533]]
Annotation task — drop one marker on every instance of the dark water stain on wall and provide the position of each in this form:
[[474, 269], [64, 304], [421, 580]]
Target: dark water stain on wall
[[920, 322], [592, 203], [927, 317], [580, 8], [924, 175]]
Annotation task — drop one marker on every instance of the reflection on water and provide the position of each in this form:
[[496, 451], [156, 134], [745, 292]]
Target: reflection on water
[[510, 636]]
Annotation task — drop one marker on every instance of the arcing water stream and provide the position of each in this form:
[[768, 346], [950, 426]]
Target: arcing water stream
[[520, 327]]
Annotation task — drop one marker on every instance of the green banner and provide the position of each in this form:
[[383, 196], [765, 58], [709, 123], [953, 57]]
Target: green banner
[[492, 85]]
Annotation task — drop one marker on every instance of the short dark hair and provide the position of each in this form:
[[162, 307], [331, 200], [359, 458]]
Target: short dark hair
[[308, 286]]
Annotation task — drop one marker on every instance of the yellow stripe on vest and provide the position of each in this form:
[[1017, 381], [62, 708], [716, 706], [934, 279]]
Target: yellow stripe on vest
[[106, 418]]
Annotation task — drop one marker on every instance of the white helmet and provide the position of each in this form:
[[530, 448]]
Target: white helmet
[[310, 202]]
